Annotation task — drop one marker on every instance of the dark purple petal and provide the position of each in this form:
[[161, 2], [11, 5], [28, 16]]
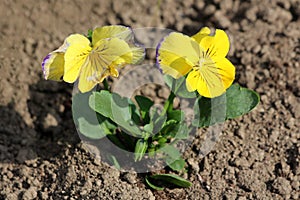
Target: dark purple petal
[[157, 54], [45, 60]]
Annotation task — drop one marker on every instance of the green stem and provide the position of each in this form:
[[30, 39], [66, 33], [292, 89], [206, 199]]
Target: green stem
[[169, 103], [105, 84]]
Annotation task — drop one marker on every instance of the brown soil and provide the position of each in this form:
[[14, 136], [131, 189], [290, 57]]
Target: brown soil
[[41, 156]]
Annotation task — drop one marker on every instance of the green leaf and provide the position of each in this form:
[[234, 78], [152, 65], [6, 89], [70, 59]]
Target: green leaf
[[170, 122], [162, 140], [136, 118], [235, 102], [114, 161], [140, 149], [178, 86], [175, 129], [156, 122], [182, 132], [119, 109], [173, 157], [144, 104], [153, 186], [240, 101], [171, 151], [89, 35], [176, 165], [149, 128], [209, 111], [88, 122], [177, 115], [171, 179], [101, 103]]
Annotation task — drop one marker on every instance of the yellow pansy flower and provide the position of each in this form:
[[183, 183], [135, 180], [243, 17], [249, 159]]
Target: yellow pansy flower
[[111, 48], [201, 57]]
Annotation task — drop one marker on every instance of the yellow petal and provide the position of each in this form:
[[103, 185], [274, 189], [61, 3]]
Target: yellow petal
[[75, 57], [177, 68], [113, 50], [209, 83], [105, 74], [74, 38], [138, 54], [101, 62], [90, 76], [205, 31], [86, 80], [176, 54], [53, 66], [215, 76], [113, 71], [215, 46], [226, 71], [121, 32], [192, 80], [77, 38]]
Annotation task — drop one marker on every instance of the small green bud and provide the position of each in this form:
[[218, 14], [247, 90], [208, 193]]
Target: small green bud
[[140, 149]]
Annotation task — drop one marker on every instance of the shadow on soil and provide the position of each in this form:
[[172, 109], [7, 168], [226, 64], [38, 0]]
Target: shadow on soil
[[52, 130]]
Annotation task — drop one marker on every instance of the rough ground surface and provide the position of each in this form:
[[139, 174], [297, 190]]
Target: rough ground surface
[[41, 156]]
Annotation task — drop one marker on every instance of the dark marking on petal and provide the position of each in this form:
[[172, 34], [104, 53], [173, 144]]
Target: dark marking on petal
[[45, 61], [207, 52]]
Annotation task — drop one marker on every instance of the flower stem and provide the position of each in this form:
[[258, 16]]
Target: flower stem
[[169, 103], [105, 84]]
